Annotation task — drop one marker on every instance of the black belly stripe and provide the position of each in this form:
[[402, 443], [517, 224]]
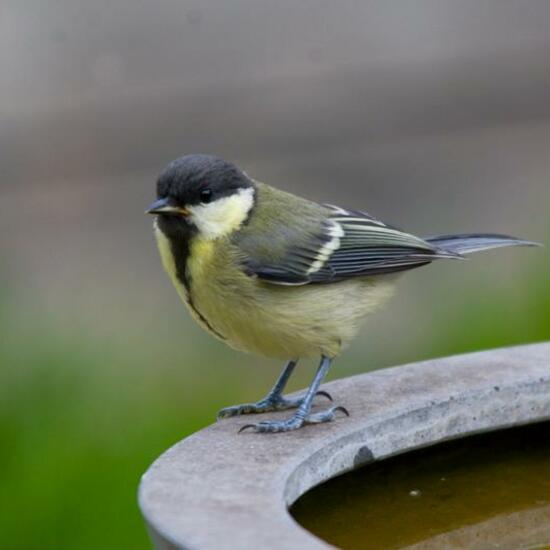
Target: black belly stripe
[[186, 281], [180, 237]]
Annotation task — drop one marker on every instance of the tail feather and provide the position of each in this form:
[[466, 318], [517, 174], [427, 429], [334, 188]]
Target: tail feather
[[474, 242]]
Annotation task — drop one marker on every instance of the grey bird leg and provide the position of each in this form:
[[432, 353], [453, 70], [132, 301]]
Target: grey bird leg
[[303, 415], [274, 400]]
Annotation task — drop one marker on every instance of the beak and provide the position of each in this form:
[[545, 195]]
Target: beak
[[164, 206]]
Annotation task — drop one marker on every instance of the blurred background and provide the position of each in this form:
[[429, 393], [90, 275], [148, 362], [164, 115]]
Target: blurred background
[[432, 115]]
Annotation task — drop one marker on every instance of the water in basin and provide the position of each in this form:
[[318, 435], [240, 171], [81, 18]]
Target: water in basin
[[486, 491]]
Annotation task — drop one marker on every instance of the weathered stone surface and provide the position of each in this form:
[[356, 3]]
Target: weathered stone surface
[[219, 490]]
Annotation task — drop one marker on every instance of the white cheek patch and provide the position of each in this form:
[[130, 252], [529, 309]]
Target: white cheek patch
[[224, 215]]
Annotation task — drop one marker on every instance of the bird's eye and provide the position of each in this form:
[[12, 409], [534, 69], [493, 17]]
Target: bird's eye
[[206, 196]]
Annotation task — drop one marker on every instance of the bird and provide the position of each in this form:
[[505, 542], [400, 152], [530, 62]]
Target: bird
[[273, 274]]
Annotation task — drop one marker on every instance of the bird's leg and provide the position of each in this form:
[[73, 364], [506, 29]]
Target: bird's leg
[[303, 415], [274, 400]]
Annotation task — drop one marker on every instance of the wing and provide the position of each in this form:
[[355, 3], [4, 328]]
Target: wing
[[340, 245]]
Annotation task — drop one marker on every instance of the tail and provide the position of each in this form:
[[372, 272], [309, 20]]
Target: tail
[[475, 242]]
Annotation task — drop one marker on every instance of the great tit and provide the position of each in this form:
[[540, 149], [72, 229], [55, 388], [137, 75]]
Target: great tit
[[274, 274]]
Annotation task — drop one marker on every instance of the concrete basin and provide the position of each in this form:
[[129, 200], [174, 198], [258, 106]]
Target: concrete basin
[[219, 490]]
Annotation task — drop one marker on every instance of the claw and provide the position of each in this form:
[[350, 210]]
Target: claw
[[243, 428], [325, 394], [228, 412], [342, 409], [223, 414]]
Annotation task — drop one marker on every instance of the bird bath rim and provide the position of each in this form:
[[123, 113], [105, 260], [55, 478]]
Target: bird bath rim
[[217, 489]]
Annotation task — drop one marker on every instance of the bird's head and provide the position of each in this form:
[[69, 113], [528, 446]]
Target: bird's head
[[203, 193]]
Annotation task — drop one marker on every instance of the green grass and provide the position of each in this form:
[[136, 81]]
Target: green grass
[[79, 423], [83, 415]]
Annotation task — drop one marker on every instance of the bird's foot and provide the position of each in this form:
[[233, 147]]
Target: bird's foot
[[294, 422], [268, 404]]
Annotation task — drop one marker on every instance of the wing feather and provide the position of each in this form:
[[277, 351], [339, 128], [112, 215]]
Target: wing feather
[[337, 244]]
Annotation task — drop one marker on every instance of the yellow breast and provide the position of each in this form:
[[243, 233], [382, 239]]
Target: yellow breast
[[252, 316]]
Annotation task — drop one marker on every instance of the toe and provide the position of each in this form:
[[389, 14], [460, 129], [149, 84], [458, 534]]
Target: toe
[[325, 416], [228, 412], [263, 406], [275, 426], [236, 410]]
